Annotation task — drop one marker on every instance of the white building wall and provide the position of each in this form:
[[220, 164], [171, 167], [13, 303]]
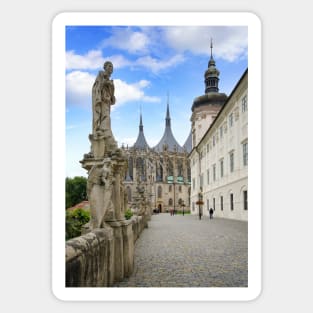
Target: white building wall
[[217, 146]]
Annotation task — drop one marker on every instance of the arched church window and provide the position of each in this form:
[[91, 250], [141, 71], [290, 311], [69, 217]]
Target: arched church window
[[170, 168], [159, 192]]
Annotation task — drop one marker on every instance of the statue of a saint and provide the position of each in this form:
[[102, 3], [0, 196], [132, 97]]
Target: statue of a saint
[[102, 99]]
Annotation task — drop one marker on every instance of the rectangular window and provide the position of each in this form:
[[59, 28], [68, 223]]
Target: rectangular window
[[244, 104], [213, 140], [245, 153], [221, 132], [201, 180], [231, 121], [214, 172], [222, 167], [213, 203], [231, 161], [231, 202], [221, 203], [245, 200], [193, 184], [207, 148], [208, 204], [208, 176]]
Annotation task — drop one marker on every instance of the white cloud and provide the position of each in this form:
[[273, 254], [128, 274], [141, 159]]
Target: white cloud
[[229, 43], [128, 40], [93, 59], [156, 65], [132, 92], [79, 89]]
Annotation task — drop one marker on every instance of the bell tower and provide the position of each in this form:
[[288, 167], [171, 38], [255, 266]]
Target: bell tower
[[211, 75]]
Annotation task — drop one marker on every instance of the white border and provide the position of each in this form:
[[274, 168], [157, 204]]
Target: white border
[[58, 155]]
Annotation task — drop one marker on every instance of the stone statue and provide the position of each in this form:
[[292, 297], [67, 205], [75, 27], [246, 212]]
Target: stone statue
[[102, 99], [99, 191]]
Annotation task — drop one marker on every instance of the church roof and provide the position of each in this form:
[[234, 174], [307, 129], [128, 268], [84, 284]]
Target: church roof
[[188, 143], [141, 142], [168, 140]]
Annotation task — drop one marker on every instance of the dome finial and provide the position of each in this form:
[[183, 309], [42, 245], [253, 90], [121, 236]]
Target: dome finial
[[211, 46]]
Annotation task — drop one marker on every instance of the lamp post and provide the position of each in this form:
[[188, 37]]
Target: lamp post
[[200, 202]]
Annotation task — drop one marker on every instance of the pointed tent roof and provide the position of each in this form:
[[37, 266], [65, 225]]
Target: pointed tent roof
[[188, 143], [168, 140], [141, 142]]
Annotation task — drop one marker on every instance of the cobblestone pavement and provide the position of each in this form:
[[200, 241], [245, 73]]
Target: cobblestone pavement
[[183, 251]]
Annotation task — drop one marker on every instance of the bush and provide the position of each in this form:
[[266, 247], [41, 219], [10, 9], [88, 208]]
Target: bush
[[74, 221], [128, 214]]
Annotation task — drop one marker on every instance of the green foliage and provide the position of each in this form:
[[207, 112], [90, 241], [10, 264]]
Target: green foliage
[[128, 214], [75, 190], [74, 221]]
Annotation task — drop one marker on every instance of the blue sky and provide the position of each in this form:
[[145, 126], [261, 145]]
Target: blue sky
[[149, 63]]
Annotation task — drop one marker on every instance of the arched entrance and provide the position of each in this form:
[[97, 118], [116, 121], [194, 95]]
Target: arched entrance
[[160, 208]]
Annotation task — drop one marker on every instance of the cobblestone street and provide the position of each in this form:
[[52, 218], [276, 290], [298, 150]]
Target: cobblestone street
[[182, 251]]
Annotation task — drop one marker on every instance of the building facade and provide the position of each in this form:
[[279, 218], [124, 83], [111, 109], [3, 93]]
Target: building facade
[[163, 171], [219, 156]]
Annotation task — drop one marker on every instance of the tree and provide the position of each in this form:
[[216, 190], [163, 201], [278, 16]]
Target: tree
[[75, 190]]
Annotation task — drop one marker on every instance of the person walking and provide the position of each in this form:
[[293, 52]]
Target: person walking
[[211, 213]]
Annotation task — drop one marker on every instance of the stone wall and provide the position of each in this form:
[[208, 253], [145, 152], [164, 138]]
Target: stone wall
[[104, 255]]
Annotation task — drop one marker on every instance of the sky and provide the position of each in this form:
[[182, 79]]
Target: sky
[[153, 65]]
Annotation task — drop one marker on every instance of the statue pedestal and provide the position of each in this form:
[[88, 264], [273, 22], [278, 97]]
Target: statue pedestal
[[123, 248]]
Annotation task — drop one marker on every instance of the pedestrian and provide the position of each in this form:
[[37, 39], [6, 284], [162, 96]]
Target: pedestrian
[[211, 213]]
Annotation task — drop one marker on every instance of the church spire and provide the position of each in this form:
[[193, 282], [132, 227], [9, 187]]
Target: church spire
[[140, 123], [168, 118], [211, 74], [168, 141], [141, 142]]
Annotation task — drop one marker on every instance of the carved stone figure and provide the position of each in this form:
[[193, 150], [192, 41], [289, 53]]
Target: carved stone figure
[[102, 99], [99, 191]]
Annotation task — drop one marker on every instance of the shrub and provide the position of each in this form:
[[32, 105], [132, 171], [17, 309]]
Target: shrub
[[74, 221], [128, 214]]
